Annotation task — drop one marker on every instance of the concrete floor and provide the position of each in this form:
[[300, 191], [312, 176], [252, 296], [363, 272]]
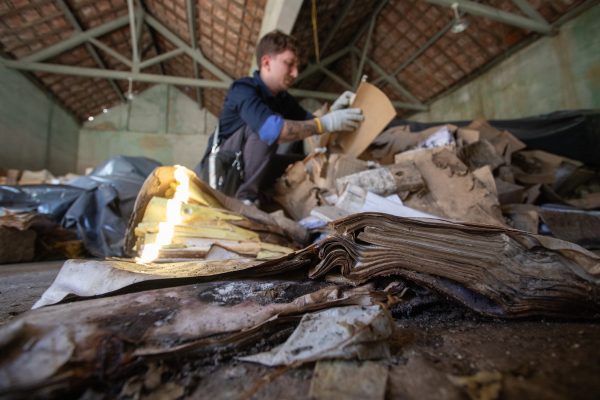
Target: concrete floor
[[536, 358], [21, 285]]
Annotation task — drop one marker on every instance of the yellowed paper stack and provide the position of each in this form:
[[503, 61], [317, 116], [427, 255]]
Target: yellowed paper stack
[[183, 221]]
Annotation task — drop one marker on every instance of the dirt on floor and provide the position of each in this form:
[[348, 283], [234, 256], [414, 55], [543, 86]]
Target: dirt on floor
[[438, 354], [21, 285], [440, 350]]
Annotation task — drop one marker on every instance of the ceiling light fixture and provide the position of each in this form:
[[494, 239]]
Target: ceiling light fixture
[[460, 24], [90, 118], [129, 94]]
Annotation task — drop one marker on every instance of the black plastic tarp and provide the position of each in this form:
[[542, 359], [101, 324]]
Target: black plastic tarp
[[572, 134], [97, 206], [52, 200]]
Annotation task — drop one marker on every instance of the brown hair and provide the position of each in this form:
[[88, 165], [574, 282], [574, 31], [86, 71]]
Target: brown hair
[[273, 43]]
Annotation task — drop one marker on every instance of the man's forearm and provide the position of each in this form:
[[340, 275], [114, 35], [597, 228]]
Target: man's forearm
[[297, 130]]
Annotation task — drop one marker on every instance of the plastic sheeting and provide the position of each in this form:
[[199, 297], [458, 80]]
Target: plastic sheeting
[[574, 134], [97, 206], [52, 200]]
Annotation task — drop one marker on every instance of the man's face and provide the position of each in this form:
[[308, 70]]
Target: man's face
[[280, 70]]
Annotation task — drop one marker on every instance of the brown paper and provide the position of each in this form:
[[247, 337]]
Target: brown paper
[[378, 112]]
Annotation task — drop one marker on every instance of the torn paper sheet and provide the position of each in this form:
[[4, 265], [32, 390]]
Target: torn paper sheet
[[399, 138], [479, 154], [355, 200], [453, 189], [337, 333], [329, 213], [90, 278], [441, 137]]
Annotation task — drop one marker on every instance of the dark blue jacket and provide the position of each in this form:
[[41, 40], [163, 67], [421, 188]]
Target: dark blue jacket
[[250, 102]]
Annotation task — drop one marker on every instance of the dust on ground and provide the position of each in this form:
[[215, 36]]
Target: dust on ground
[[435, 340]]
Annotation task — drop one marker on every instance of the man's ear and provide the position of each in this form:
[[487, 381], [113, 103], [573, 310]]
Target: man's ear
[[265, 62]]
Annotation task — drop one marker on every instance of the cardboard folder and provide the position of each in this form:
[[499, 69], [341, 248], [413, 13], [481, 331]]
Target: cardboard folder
[[378, 112]]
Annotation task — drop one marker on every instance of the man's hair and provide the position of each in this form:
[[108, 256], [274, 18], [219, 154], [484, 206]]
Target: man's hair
[[273, 43]]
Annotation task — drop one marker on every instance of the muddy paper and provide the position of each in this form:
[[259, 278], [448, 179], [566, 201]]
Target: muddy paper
[[353, 332]]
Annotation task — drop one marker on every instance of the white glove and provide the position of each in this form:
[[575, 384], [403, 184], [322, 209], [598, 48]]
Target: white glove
[[343, 101], [347, 119]]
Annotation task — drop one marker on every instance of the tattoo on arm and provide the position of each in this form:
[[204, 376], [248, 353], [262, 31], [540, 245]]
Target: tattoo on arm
[[297, 130]]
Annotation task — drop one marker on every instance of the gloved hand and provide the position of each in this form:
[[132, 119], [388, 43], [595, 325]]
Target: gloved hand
[[347, 119], [343, 101]]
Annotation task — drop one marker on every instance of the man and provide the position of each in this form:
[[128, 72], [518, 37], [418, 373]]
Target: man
[[258, 113]]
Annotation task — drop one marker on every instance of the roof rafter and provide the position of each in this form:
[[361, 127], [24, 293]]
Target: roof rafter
[[529, 10], [191, 15], [111, 52], [312, 68], [417, 105], [64, 7], [161, 57], [152, 38], [315, 67], [331, 34], [142, 77], [336, 78], [132, 13], [113, 74], [417, 53], [76, 40], [363, 56], [482, 10], [195, 54]]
